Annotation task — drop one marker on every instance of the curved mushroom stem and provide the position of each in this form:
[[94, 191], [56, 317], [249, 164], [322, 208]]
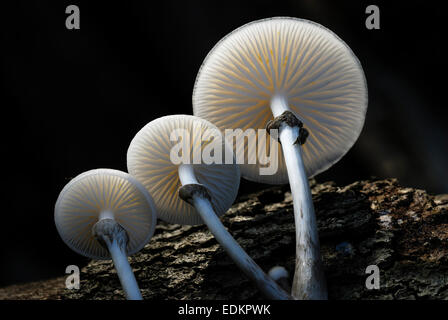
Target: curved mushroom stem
[[197, 195], [309, 279], [112, 236]]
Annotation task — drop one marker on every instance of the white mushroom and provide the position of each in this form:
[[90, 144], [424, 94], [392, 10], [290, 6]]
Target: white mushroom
[[103, 214], [192, 191], [300, 78], [280, 275]]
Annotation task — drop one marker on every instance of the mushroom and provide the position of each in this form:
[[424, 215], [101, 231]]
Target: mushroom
[[189, 190], [280, 275], [298, 77], [103, 214]]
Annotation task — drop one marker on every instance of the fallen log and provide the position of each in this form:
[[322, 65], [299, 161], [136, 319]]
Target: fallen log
[[403, 231]]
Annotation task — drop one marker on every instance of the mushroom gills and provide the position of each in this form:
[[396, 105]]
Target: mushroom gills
[[104, 214]]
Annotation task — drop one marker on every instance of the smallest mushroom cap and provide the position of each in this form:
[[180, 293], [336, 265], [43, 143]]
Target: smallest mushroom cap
[[104, 193]]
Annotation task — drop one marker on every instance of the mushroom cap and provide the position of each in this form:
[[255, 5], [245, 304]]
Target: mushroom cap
[[149, 161], [311, 67], [91, 193]]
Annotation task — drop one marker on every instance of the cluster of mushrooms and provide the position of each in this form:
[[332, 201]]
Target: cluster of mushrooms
[[281, 73]]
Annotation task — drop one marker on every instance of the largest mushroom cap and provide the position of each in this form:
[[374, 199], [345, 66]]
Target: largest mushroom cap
[[104, 193], [149, 161], [316, 72]]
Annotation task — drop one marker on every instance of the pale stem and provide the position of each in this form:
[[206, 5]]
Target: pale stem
[[124, 271], [268, 286], [309, 280], [114, 237]]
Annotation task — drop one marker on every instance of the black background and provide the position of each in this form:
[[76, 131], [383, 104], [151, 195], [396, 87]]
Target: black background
[[73, 99]]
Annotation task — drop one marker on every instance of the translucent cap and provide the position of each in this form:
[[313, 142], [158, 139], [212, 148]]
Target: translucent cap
[[104, 193], [149, 160], [307, 65]]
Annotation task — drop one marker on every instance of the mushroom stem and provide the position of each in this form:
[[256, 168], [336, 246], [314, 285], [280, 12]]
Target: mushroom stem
[[309, 279], [112, 235], [186, 174], [204, 207]]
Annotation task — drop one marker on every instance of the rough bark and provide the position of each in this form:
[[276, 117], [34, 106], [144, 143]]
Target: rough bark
[[403, 231]]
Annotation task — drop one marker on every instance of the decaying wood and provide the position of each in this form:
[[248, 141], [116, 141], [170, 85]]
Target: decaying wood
[[403, 231]]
